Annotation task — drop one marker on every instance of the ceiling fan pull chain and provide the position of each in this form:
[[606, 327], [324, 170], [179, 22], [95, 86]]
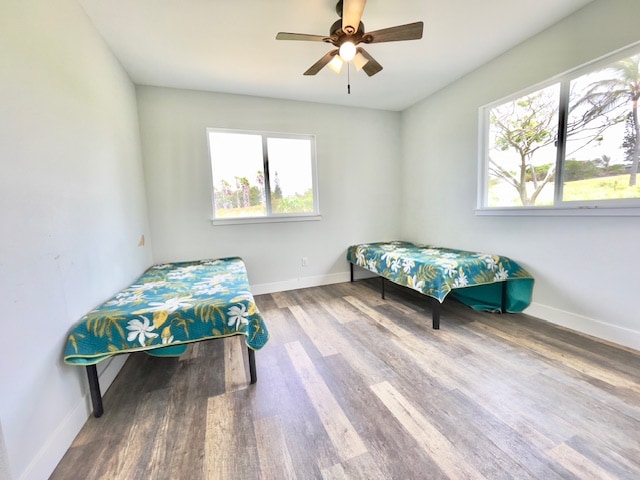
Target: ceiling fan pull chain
[[348, 79]]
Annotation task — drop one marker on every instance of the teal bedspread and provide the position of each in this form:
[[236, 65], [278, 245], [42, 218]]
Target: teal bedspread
[[436, 272], [168, 307]]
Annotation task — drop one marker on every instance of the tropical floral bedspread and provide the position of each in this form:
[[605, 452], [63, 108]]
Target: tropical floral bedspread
[[168, 307], [436, 272]]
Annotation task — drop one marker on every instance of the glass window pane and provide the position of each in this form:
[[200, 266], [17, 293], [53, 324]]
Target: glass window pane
[[601, 157], [290, 175], [238, 175], [521, 150]]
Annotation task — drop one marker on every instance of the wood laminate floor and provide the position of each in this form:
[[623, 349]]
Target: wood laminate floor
[[353, 386]]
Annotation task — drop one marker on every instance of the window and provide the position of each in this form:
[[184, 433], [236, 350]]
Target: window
[[574, 143], [262, 176]]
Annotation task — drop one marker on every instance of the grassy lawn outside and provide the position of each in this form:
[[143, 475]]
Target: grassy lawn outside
[[291, 204], [601, 188], [255, 211]]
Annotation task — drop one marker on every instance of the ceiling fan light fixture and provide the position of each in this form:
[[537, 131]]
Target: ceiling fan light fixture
[[347, 32], [360, 61], [336, 64], [347, 51]]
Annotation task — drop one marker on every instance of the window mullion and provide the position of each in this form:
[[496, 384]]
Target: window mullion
[[267, 180], [561, 144]]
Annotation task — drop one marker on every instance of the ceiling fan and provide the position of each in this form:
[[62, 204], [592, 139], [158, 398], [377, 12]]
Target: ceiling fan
[[347, 33]]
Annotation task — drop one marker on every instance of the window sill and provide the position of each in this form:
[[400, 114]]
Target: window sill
[[272, 219], [583, 211]]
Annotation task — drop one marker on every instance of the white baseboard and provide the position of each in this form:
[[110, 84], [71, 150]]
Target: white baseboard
[[301, 282], [46, 460], [5, 471], [606, 331], [108, 374]]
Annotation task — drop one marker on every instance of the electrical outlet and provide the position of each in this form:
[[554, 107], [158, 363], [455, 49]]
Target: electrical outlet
[[305, 262]]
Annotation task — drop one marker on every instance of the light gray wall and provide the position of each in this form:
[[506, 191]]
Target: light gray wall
[[358, 160], [73, 210], [585, 268]]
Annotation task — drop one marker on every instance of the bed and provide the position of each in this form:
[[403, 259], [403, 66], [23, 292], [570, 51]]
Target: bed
[[482, 281], [162, 312]]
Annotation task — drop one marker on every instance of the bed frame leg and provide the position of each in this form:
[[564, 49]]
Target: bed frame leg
[[252, 365], [382, 287], [351, 269], [94, 389], [435, 314]]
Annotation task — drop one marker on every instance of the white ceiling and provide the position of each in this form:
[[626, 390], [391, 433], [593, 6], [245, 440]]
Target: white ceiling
[[230, 46]]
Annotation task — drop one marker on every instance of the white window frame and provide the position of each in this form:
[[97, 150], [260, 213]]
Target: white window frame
[[602, 207], [270, 217]]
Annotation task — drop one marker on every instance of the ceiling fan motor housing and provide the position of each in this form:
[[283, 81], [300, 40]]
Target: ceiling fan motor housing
[[336, 30]]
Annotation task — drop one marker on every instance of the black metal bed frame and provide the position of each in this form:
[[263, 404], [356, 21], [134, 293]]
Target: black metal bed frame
[[435, 304], [94, 383]]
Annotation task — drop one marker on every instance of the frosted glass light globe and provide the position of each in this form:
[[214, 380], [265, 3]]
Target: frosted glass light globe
[[347, 51]]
